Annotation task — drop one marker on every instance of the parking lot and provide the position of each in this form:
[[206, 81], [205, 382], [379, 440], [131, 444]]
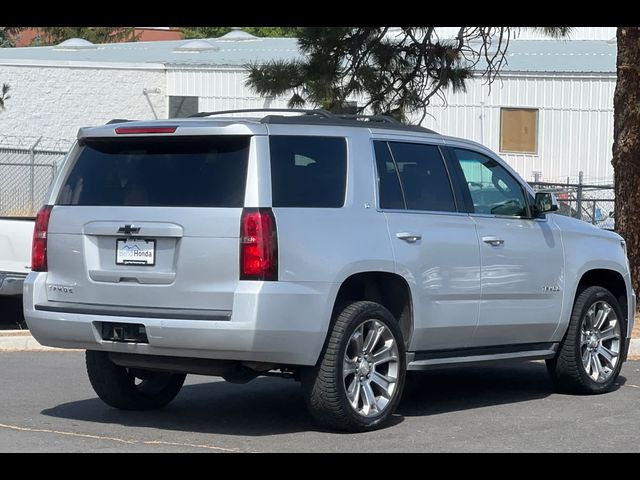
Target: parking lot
[[47, 405]]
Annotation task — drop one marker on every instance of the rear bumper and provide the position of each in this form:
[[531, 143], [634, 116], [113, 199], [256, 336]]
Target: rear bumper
[[11, 283], [274, 322]]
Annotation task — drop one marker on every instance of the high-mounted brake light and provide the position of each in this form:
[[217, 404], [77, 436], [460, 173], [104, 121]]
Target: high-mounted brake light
[[258, 245], [139, 130], [39, 245]]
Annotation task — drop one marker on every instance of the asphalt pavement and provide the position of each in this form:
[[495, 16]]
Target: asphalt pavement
[[47, 405]]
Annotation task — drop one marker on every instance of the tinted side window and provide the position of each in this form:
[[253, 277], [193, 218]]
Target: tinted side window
[[425, 180], [308, 171], [493, 190], [159, 172], [388, 180]]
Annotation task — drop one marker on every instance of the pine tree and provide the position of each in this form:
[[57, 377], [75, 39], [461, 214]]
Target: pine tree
[[394, 73]]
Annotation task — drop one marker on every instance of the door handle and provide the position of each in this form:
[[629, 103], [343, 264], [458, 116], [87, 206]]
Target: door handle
[[493, 241], [409, 237]]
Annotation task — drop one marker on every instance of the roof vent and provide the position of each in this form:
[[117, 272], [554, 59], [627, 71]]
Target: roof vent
[[237, 35], [75, 44], [195, 46]]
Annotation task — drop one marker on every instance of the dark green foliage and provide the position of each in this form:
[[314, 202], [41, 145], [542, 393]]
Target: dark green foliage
[[7, 36], [55, 35], [389, 74], [212, 32]]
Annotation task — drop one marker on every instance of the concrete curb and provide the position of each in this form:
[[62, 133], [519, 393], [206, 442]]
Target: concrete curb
[[22, 341]]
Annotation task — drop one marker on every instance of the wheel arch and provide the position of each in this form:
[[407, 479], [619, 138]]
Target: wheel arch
[[600, 276], [607, 278], [386, 288]]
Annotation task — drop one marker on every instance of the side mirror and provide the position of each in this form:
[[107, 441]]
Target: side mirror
[[545, 202]]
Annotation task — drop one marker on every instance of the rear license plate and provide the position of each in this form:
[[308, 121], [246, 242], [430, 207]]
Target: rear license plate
[[135, 251]]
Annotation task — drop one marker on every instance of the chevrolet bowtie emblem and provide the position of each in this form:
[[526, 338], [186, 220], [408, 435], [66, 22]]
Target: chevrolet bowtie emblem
[[129, 230]]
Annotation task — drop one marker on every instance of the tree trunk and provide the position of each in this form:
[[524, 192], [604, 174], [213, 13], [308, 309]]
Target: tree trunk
[[626, 145]]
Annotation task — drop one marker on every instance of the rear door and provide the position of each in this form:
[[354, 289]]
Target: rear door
[[150, 222], [434, 245]]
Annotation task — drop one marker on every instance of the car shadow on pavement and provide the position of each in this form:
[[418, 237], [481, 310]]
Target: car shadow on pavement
[[456, 389], [265, 406], [271, 406]]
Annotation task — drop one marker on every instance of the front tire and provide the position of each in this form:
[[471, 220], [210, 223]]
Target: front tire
[[358, 381], [590, 355], [131, 389]]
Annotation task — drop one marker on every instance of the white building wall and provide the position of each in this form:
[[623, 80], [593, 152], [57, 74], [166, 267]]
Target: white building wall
[[54, 102], [575, 122], [575, 118], [220, 89]]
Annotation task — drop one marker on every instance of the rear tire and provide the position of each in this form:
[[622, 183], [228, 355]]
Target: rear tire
[[590, 355], [131, 389], [358, 381]]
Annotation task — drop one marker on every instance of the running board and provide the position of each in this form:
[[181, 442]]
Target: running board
[[452, 358]]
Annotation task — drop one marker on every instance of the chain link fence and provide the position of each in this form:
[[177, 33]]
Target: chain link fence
[[588, 202], [29, 164], [27, 168]]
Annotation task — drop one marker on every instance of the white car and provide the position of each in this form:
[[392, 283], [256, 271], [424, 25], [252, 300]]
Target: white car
[[15, 253]]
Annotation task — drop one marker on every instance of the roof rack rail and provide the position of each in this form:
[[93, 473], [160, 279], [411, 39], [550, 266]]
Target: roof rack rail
[[322, 117], [369, 118], [318, 111]]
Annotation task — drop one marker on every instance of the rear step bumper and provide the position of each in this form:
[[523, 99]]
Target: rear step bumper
[[275, 322]]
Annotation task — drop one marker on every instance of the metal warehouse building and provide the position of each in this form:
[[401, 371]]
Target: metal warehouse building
[[550, 115]]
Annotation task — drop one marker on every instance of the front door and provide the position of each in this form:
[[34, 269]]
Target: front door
[[521, 257]]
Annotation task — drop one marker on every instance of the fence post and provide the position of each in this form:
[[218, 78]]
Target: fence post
[[579, 195], [32, 174]]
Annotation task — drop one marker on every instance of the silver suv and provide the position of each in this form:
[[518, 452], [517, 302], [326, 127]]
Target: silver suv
[[337, 251]]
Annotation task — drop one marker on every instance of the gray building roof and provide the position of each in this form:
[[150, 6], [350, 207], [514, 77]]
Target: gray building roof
[[567, 56], [577, 56], [222, 53]]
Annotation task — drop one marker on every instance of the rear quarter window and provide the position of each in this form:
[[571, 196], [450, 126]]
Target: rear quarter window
[[308, 171], [159, 172]]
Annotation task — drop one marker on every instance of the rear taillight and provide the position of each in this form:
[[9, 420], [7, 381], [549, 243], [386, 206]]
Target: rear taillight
[[39, 245], [258, 245]]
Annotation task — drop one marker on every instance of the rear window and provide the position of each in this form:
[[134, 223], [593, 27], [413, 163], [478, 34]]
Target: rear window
[[159, 172], [308, 171]]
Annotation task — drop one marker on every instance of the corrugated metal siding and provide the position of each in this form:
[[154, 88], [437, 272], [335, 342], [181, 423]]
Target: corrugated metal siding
[[217, 89], [575, 119], [575, 122]]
